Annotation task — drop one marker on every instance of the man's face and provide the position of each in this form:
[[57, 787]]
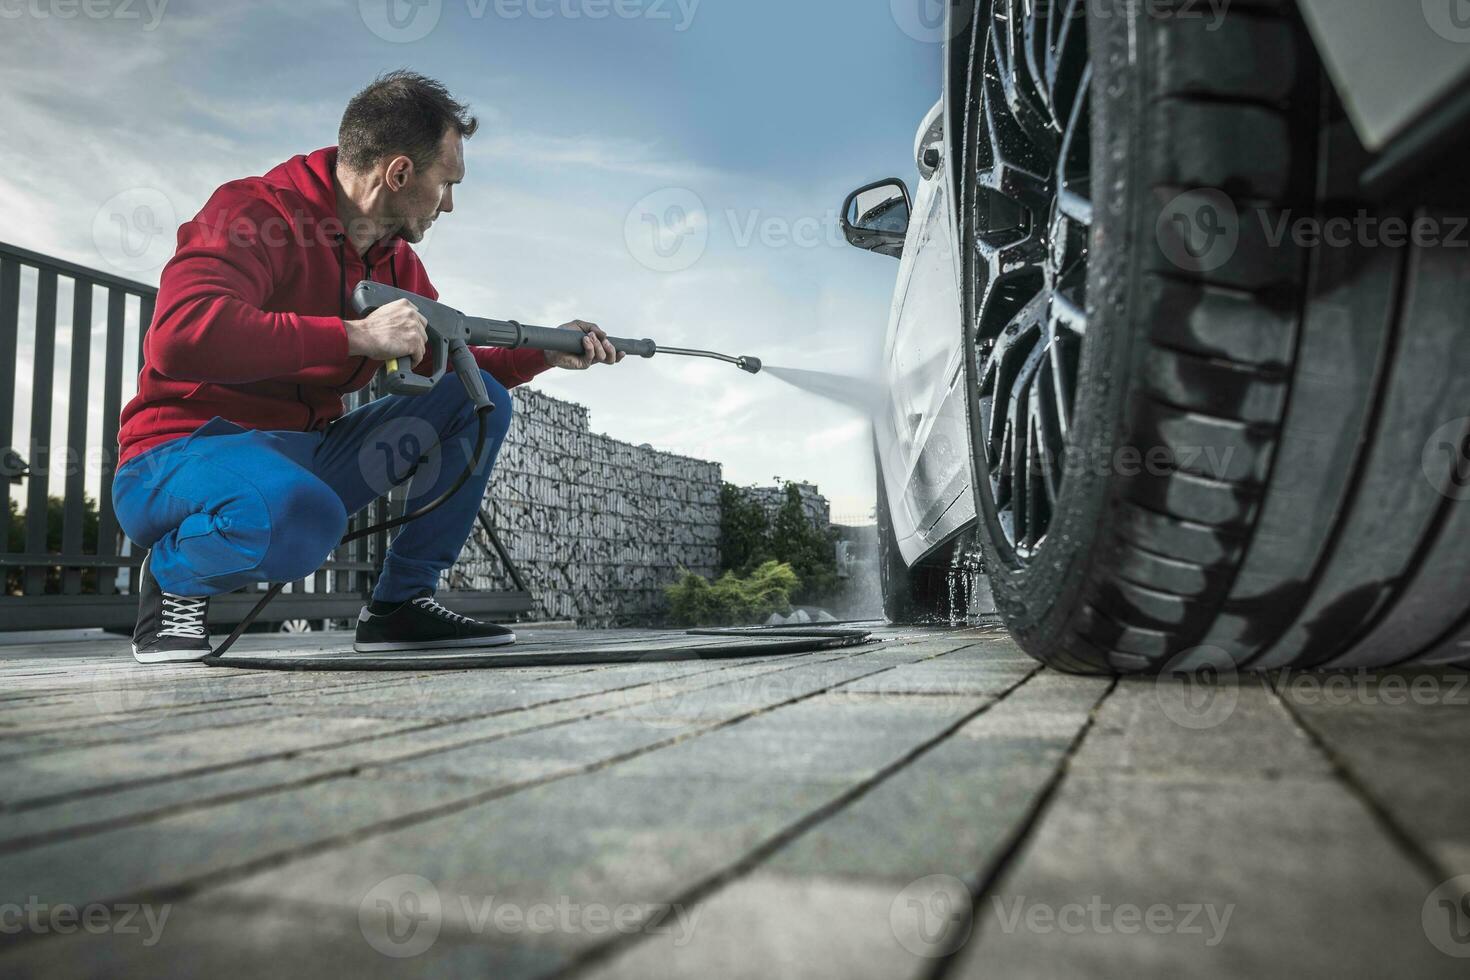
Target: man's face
[[430, 192]]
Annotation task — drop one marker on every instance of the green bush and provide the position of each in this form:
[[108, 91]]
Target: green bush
[[732, 600]]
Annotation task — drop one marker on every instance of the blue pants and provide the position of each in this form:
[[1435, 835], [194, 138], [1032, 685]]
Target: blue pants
[[226, 506]]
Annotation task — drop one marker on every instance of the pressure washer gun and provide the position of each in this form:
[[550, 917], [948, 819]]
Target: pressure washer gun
[[452, 334]]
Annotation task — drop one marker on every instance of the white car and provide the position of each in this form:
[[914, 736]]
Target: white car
[[922, 452], [1184, 286]]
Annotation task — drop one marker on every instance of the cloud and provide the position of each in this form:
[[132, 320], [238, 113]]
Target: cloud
[[89, 110], [618, 156]]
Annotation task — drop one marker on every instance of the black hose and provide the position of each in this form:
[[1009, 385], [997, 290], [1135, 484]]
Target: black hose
[[481, 415]]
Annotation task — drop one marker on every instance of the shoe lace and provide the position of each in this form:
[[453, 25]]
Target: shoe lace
[[183, 616], [430, 604]]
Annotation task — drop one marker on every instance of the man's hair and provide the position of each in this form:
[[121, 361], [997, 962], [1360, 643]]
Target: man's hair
[[401, 112]]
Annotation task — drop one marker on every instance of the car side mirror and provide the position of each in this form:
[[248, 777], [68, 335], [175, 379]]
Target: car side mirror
[[876, 217]]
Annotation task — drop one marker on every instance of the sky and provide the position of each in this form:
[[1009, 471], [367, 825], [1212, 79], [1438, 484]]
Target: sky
[[666, 168]]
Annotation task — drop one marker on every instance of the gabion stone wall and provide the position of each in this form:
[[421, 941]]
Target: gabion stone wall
[[597, 527]]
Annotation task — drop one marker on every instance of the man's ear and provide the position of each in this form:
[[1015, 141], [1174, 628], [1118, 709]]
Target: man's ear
[[399, 172]]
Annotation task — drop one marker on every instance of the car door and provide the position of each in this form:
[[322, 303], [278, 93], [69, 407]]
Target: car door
[[923, 441]]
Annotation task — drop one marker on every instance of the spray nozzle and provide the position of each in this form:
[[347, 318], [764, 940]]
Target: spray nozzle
[[751, 364]]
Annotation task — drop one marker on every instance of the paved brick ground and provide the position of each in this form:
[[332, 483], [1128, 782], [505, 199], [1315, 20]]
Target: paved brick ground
[[933, 805]]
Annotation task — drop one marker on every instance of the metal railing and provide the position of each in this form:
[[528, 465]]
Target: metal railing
[[60, 575]]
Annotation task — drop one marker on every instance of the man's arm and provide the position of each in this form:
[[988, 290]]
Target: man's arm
[[510, 367], [210, 325]]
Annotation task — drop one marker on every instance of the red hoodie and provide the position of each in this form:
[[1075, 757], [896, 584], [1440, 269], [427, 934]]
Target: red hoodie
[[249, 320]]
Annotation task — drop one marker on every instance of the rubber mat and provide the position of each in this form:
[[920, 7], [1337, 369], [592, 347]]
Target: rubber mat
[[567, 647]]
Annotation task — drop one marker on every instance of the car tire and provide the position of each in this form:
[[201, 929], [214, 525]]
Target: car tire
[[1257, 449]]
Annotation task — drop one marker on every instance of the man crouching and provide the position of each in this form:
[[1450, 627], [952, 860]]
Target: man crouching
[[236, 462]]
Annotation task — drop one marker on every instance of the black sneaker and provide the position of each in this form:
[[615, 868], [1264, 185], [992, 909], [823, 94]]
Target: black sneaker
[[172, 629], [422, 624]]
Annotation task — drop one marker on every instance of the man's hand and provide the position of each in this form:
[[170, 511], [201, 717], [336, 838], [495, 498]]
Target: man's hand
[[596, 348], [395, 330]]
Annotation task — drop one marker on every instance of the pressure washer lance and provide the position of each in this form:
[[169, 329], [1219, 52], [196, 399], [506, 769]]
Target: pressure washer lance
[[448, 326], [451, 334]]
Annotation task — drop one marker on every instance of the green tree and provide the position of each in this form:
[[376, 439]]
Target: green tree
[[745, 531], [55, 521], [809, 550]]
